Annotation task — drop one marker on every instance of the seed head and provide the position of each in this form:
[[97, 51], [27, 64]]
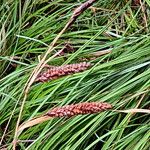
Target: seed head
[[55, 72], [79, 109]]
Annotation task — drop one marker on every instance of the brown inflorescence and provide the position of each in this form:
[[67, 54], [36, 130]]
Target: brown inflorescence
[[79, 109], [54, 72]]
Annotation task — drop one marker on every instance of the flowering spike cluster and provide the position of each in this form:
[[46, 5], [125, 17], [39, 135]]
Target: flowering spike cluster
[[55, 72], [79, 109]]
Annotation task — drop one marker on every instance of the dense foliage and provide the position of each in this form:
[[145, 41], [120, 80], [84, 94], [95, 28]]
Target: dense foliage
[[121, 77]]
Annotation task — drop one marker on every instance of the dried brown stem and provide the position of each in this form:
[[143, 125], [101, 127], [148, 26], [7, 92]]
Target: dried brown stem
[[33, 122], [134, 110], [79, 10]]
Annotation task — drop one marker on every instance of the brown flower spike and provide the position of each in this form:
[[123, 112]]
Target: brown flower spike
[[79, 109], [55, 72], [68, 111]]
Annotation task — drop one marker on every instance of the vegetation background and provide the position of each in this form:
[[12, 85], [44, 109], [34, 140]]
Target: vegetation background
[[121, 77]]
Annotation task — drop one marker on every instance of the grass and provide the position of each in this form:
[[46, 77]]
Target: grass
[[121, 77]]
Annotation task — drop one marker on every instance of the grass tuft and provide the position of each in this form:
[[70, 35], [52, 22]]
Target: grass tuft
[[120, 77]]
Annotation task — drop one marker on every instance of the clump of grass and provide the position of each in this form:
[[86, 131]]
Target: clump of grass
[[121, 78]]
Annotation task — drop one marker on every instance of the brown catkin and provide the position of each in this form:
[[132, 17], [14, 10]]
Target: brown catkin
[[79, 109], [55, 72]]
